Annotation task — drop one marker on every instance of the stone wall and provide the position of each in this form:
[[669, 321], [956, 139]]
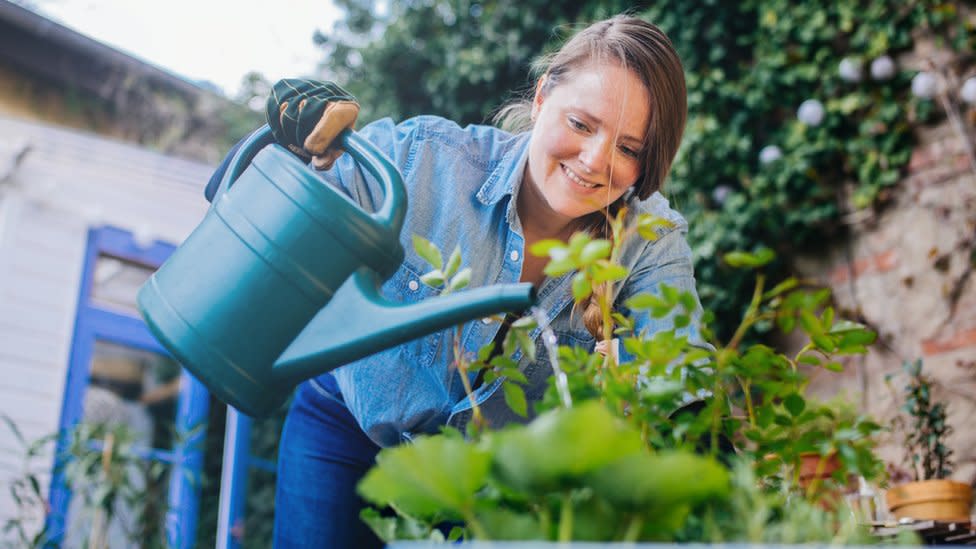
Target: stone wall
[[907, 271]]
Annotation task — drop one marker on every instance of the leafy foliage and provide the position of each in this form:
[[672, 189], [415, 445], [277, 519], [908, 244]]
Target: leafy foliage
[[611, 452], [749, 65]]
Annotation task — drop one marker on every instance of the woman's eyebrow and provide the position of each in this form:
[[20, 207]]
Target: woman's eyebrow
[[624, 137]]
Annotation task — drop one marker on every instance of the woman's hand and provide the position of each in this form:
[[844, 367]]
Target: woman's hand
[[306, 116], [612, 346]]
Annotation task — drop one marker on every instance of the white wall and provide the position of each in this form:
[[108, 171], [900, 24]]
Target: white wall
[[64, 184]]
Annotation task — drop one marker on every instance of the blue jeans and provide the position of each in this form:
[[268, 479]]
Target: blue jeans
[[322, 456]]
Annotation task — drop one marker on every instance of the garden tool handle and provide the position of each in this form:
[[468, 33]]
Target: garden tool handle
[[390, 214]]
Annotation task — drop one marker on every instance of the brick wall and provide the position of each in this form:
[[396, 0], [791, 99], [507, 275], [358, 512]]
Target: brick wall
[[908, 273]]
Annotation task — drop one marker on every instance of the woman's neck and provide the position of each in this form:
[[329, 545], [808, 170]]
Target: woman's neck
[[537, 218]]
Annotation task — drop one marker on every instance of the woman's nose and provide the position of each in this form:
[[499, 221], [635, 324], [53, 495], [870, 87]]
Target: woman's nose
[[595, 155]]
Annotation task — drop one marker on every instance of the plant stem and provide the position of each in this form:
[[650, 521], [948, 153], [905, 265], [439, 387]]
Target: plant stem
[[476, 528], [462, 365], [566, 518], [750, 316], [633, 528]]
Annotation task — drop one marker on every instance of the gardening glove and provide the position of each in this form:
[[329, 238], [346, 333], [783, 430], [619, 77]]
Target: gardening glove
[[306, 116]]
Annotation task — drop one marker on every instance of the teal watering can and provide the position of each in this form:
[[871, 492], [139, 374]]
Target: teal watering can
[[280, 281]]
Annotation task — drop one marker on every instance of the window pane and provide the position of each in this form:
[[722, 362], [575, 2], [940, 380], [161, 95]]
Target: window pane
[[129, 410], [115, 283]]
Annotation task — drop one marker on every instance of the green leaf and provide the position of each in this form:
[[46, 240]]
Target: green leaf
[[526, 322], [749, 260], [794, 404], [434, 474], [783, 286], [604, 271], [515, 398], [453, 262], [834, 366], [434, 279], [808, 358], [461, 280], [562, 445], [597, 249], [514, 374], [526, 343], [545, 247], [484, 353], [663, 480], [428, 252], [581, 287]]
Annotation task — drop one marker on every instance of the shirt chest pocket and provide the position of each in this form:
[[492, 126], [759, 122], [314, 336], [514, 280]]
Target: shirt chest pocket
[[406, 288]]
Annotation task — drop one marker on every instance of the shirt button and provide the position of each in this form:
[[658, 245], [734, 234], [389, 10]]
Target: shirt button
[[514, 255], [413, 285], [486, 320]]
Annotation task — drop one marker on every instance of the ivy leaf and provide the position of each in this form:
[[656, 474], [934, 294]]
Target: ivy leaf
[[428, 252]]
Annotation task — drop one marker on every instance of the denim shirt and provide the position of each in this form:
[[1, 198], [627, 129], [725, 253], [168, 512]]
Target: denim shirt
[[461, 186]]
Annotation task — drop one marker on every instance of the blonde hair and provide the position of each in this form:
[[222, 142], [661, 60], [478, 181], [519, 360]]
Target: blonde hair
[[646, 51]]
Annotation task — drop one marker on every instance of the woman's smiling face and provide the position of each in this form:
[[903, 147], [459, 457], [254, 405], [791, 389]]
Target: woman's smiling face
[[587, 142]]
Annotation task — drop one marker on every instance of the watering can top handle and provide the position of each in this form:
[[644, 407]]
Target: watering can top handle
[[389, 214]]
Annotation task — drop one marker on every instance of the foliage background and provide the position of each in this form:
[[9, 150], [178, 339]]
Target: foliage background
[[749, 65]]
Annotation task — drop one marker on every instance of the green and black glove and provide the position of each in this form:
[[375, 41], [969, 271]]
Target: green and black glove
[[306, 116]]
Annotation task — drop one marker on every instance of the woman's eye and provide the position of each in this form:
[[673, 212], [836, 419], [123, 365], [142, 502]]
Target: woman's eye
[[633, 153], [577, 125]]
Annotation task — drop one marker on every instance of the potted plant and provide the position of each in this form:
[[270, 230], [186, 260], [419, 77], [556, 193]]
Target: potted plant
[[932, 495]]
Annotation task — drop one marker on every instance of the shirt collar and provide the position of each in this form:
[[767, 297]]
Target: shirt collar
[[505, 178]]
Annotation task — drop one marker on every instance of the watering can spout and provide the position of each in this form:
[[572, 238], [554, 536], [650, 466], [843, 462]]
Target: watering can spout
[[359, 322]]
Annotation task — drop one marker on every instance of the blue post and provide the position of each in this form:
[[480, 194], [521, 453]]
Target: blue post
[[233, 479], [186, 474]]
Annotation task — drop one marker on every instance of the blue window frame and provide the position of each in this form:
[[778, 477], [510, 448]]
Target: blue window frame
[[97, 323]]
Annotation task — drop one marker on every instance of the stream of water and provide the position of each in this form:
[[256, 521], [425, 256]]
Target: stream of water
[[549, 341]]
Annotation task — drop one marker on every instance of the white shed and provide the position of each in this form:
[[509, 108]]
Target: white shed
[[58, 190]]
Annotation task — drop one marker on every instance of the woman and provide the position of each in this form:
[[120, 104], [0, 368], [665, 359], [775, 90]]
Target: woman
[[605, 122]]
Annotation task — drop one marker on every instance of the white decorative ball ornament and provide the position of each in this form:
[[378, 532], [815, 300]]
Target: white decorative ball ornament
[[924, 85], [882, 68], [811, 112], [770, 154], [968, 91], [850, 69], [721, 193]]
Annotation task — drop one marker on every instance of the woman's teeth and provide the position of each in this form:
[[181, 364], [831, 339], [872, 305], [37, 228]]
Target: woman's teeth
[[572, 175]]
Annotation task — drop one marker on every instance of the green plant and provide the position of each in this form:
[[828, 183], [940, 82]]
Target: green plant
[[611, 453], [927, 431], [30, 502], [107, 472]]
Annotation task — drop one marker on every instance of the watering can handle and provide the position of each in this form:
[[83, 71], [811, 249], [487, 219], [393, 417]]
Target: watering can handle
[[389, 214]]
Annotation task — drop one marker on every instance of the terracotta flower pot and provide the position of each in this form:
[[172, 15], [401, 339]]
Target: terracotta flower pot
[[945, 500], [812, 468]]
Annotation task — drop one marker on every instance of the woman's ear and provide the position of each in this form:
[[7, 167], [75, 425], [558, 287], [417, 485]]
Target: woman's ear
[[539, 96]]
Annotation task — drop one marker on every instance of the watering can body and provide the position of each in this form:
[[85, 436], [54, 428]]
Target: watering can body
[[285, 262]]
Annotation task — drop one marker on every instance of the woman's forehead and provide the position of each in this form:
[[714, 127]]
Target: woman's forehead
[[610, 93]]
